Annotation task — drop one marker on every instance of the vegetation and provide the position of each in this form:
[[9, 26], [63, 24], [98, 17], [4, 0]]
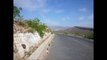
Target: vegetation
[[35, 24], [65, 33], [77, 33], [16, 12], [89, 36], [22, 23]]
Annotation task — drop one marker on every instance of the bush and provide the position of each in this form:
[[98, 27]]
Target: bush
[[65, 33], [36, 25], [77, 34], [89, 36]]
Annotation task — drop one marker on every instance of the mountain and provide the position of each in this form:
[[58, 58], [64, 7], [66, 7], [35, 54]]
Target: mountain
[[57, 28], [77, 30]]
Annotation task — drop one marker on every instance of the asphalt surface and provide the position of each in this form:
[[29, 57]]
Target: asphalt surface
[[70, 48]]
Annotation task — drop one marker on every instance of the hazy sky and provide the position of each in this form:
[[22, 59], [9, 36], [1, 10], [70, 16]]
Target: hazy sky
[[58, 12]]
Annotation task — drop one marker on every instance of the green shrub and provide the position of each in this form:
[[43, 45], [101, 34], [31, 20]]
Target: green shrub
[[65, 33], [36, 25], [89, 36], [77, 33]]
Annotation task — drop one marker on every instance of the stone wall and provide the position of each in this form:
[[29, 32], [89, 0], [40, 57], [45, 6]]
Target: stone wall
[[25, 42]]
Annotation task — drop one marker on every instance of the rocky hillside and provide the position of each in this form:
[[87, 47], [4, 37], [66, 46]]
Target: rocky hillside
[[26, 40], [80, 31], [20, 27]]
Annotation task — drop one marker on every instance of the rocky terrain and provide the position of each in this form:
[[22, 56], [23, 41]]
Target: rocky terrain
[[19, 28], [77, 30], [25, 42]]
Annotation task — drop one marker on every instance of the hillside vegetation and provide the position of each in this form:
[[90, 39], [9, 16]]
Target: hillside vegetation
[[79, 31], [30, 25]]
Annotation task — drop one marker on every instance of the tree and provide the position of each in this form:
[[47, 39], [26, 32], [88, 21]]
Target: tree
[[35, 24], [16, 12]]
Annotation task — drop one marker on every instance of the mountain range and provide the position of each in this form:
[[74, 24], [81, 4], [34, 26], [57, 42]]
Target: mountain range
[[77, 30]]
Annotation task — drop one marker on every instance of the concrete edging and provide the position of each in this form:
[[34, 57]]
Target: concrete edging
[[36, 54]]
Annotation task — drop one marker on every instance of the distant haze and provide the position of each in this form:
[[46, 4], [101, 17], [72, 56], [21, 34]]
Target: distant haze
[[58, 28]]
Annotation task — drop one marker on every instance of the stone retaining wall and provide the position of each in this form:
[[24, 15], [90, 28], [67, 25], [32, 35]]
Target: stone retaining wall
[[25, 42]]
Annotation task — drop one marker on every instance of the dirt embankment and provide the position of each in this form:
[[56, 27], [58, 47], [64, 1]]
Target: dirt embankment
[[20, 27]]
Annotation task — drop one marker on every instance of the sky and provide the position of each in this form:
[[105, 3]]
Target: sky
[[58, 12]]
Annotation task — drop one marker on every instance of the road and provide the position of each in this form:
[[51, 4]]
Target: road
[[70, 48]]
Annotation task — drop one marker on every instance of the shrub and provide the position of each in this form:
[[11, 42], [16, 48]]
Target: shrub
[[65, 33], [77, 33], [89, 36], [36, 25]]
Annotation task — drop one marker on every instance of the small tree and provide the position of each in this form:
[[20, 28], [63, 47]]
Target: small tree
[[37, 25], [16, 12]]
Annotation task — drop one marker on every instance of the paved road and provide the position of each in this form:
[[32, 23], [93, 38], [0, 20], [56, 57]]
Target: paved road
[[70, 48]]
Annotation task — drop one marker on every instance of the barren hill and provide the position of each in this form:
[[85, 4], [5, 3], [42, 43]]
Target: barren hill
[[80, 30], [77, 30]]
